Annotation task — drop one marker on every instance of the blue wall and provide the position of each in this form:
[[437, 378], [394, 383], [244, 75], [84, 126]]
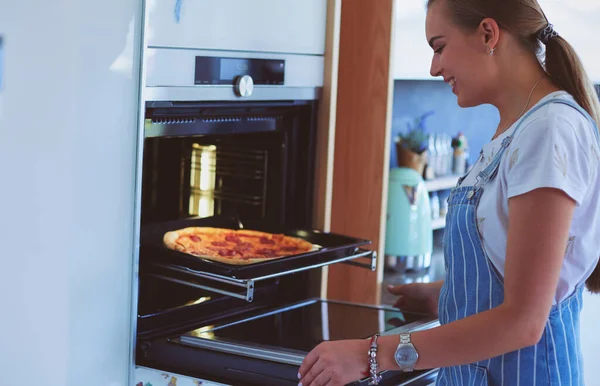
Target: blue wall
[[413, 98]]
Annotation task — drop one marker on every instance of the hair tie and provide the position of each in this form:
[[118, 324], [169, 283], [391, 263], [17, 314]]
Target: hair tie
[[547, 33]]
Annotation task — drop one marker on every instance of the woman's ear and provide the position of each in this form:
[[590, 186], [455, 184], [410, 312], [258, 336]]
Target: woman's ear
[[490, 33]]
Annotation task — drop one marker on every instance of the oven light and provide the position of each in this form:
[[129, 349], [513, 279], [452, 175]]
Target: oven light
[[201, 300], [207, 167], [202, 180], [203, 332]]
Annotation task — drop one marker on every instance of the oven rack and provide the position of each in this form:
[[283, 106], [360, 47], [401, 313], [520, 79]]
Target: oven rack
[[241, 288]]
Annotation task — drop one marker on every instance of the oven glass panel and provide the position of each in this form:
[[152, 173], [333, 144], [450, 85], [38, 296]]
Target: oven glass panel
[[303, 327], [225, 178]]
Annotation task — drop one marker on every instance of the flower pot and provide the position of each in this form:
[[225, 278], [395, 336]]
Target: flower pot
[[410, 159]]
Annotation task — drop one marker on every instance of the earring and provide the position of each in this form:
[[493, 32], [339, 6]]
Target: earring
[[492, 51]]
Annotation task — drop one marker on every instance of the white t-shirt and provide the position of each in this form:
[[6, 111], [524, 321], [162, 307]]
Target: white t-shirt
[[556, 148]]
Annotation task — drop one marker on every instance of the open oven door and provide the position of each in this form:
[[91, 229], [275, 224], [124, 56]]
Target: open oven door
[[266, 347]]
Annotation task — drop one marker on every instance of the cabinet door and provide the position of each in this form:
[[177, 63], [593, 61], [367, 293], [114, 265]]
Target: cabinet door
[[412, 55], [291, 26], [577, 21]]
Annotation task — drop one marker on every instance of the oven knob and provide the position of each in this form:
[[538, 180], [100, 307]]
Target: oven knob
[[244, 86]]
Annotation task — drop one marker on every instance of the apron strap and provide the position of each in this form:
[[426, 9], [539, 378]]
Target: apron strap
[[491, 170]]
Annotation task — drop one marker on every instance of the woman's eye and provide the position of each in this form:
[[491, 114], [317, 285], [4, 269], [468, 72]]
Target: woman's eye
[[439, 50]]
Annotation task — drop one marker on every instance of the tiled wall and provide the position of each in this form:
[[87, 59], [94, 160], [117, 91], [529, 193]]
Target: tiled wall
[[412, 98]]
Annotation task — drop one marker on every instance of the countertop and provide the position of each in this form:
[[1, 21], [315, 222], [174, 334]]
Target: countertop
[[434, 273]]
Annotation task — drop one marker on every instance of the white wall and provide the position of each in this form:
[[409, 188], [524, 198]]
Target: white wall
[[67, 168], [573, 19]]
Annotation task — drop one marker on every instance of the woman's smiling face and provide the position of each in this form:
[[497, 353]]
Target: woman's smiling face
[[460, 57]]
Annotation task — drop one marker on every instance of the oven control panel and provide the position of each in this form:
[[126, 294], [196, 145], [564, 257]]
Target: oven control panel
[[243, 73]]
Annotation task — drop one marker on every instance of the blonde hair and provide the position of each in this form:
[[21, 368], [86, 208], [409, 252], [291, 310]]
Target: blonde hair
[[525, 20]]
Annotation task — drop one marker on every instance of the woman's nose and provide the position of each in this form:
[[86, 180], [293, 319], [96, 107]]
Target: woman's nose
[[435, 68]]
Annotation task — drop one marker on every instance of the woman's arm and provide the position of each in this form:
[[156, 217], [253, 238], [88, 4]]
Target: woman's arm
[[537, 236]]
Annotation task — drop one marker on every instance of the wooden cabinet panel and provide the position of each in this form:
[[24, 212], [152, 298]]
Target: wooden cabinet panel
[[361, 155]]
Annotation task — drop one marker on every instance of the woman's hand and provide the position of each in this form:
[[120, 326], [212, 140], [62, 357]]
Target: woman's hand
[[418, 297], [335, 363]]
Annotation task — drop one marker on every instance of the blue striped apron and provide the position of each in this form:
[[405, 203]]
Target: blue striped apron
[[473, 285]]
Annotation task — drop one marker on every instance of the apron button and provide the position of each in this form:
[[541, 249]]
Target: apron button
[[470, 194]]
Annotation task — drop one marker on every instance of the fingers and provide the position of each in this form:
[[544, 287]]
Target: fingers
[[315, 376], [314, 370], [398, 289], [400, 302], [308, 363], [323, 379]]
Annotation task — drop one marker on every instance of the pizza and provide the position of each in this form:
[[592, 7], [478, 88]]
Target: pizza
[[237, 247]]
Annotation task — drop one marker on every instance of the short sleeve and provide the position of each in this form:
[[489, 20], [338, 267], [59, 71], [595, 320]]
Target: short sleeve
[[551, 152]]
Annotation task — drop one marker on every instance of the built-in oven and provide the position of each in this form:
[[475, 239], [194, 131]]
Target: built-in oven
[[230, 142]]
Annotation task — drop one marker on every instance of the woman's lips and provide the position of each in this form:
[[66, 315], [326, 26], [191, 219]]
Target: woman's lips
[[452, 83]]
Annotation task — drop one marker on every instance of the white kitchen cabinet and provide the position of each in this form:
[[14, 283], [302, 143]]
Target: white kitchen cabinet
[[238, 25], [575, 20], [68, 139]]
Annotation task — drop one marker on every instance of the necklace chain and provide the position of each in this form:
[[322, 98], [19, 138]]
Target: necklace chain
[[526, 105], [518, 116]]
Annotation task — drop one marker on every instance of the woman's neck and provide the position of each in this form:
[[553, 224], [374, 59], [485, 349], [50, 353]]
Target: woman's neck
[[520, 91]]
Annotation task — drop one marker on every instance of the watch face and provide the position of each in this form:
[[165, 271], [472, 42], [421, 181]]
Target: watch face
[[406, 355]]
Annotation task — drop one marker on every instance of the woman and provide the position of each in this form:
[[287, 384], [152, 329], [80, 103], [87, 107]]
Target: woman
[[522, 231]]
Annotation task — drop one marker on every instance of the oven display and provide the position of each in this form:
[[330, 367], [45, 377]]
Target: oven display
[[214, 70], [302, 327]]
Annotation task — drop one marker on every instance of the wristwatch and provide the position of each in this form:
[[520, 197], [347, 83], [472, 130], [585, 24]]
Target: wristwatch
[[406, 355]]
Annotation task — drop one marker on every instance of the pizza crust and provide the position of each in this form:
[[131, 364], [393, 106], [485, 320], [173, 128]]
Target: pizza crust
[[172, 240]]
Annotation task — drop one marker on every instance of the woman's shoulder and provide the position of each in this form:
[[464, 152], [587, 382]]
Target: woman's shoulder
[[558, 116], [562, 107], [556, 147]]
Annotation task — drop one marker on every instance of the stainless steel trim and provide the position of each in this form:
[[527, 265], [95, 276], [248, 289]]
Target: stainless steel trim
[[177, 68], [215, 51], [237, 349], [244, 86], [227, 93], [206, 275], [243, 283], [372, 266], [248, 297], [363, 253]]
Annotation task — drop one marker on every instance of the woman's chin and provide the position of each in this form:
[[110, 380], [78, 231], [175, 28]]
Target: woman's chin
[[465, 102]]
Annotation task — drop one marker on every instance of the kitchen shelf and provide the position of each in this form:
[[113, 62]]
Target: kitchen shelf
[[442, 183]]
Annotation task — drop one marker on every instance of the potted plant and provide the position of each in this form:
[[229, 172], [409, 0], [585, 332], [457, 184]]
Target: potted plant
[[411, 146]]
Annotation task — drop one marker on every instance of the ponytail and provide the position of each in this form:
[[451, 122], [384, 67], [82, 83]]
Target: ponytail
[[566, 71]]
